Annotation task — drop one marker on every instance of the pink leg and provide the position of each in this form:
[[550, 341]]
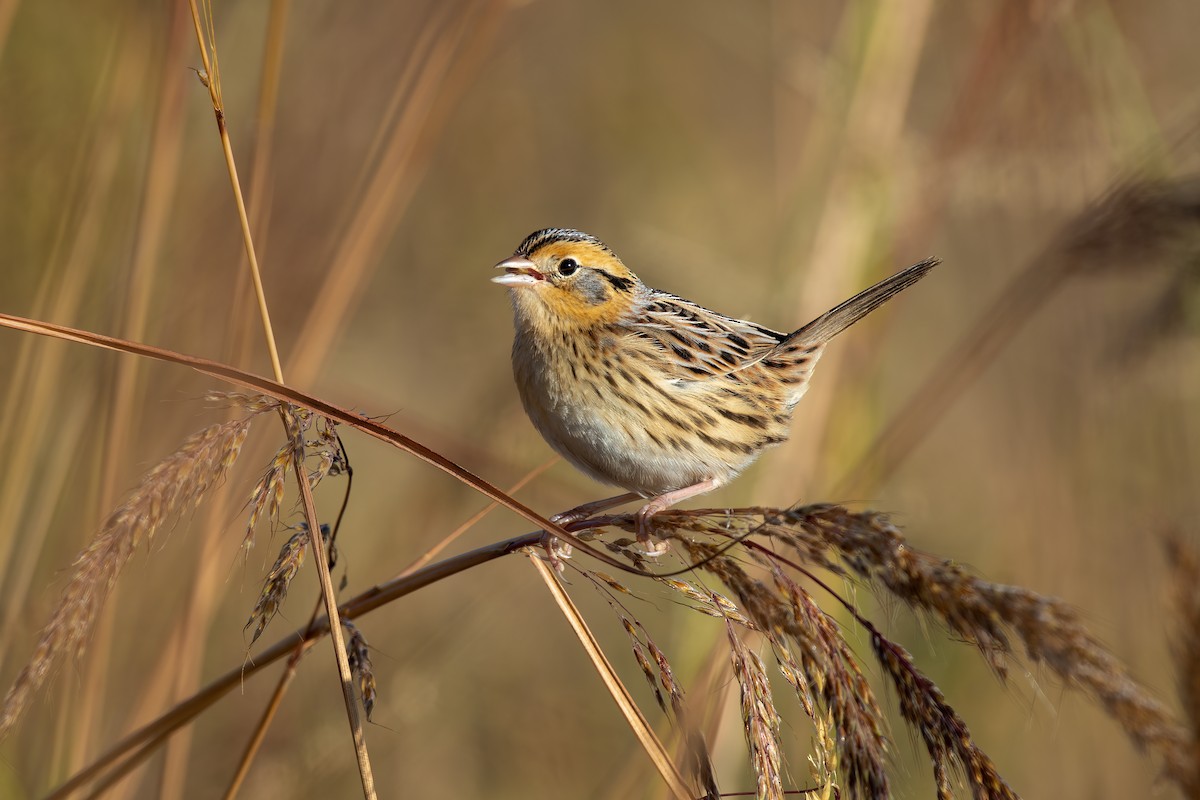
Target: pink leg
[[662, 503]]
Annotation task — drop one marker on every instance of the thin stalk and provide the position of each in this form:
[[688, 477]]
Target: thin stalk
[[633, 715], [335, 625], [371, 427], [212, 80], [289, 672], [187, 710], [264, 721]]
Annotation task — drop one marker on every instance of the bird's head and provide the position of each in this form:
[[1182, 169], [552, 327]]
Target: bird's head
[[563, 279]]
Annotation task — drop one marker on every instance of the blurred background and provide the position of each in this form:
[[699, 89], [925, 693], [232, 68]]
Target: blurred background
[[767, 159]]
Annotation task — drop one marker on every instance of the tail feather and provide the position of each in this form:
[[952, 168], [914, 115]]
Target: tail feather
[[833, 322]]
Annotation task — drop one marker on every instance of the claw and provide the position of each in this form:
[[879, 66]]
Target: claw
[[653, 548], [650, 546], [555, 551]]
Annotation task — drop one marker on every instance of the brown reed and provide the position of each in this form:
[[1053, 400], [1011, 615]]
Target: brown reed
[[173, 486], [990, 615], [790, 616], [660, 676], [815, 658], [942, 730]]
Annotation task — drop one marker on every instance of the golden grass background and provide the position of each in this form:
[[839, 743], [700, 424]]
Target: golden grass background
[[765, 159]]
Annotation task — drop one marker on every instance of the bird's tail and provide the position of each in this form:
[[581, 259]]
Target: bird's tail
[[797, 355], [833, 322]]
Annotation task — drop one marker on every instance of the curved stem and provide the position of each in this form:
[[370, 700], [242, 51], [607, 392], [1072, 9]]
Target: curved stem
[[187, 710]]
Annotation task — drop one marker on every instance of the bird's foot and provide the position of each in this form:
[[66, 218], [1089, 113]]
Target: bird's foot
[[556, 550], [649, 545]]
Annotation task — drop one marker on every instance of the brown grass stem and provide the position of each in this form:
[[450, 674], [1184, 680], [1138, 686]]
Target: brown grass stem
[[377, 596], [633, 715], [329, 594], [367, 425], [293, 663], [267, 717], [212, 80]]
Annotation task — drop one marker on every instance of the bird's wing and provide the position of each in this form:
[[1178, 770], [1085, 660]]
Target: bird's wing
[[693, 343]]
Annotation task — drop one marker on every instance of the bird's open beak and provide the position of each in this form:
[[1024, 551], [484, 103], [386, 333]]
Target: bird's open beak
[[518, 272]]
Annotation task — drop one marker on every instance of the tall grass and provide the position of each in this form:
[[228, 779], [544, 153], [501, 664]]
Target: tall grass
[[1031, 413]]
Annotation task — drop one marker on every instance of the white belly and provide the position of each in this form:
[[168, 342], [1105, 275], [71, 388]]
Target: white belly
[[597, 433]]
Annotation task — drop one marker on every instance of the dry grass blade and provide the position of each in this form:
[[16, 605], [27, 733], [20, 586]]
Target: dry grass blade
[[641, 728], [257, 383], [173, 486], [138, 743]]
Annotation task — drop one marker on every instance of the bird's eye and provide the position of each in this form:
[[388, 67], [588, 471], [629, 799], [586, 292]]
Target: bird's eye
[[567, 266]]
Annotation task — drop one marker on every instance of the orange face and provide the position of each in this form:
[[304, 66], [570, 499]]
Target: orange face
[[563, 283]]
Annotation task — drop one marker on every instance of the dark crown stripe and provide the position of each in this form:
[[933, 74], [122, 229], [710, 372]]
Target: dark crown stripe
[[547, 236]]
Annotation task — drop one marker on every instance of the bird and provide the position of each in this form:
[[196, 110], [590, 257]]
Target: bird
[[647, 391]]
